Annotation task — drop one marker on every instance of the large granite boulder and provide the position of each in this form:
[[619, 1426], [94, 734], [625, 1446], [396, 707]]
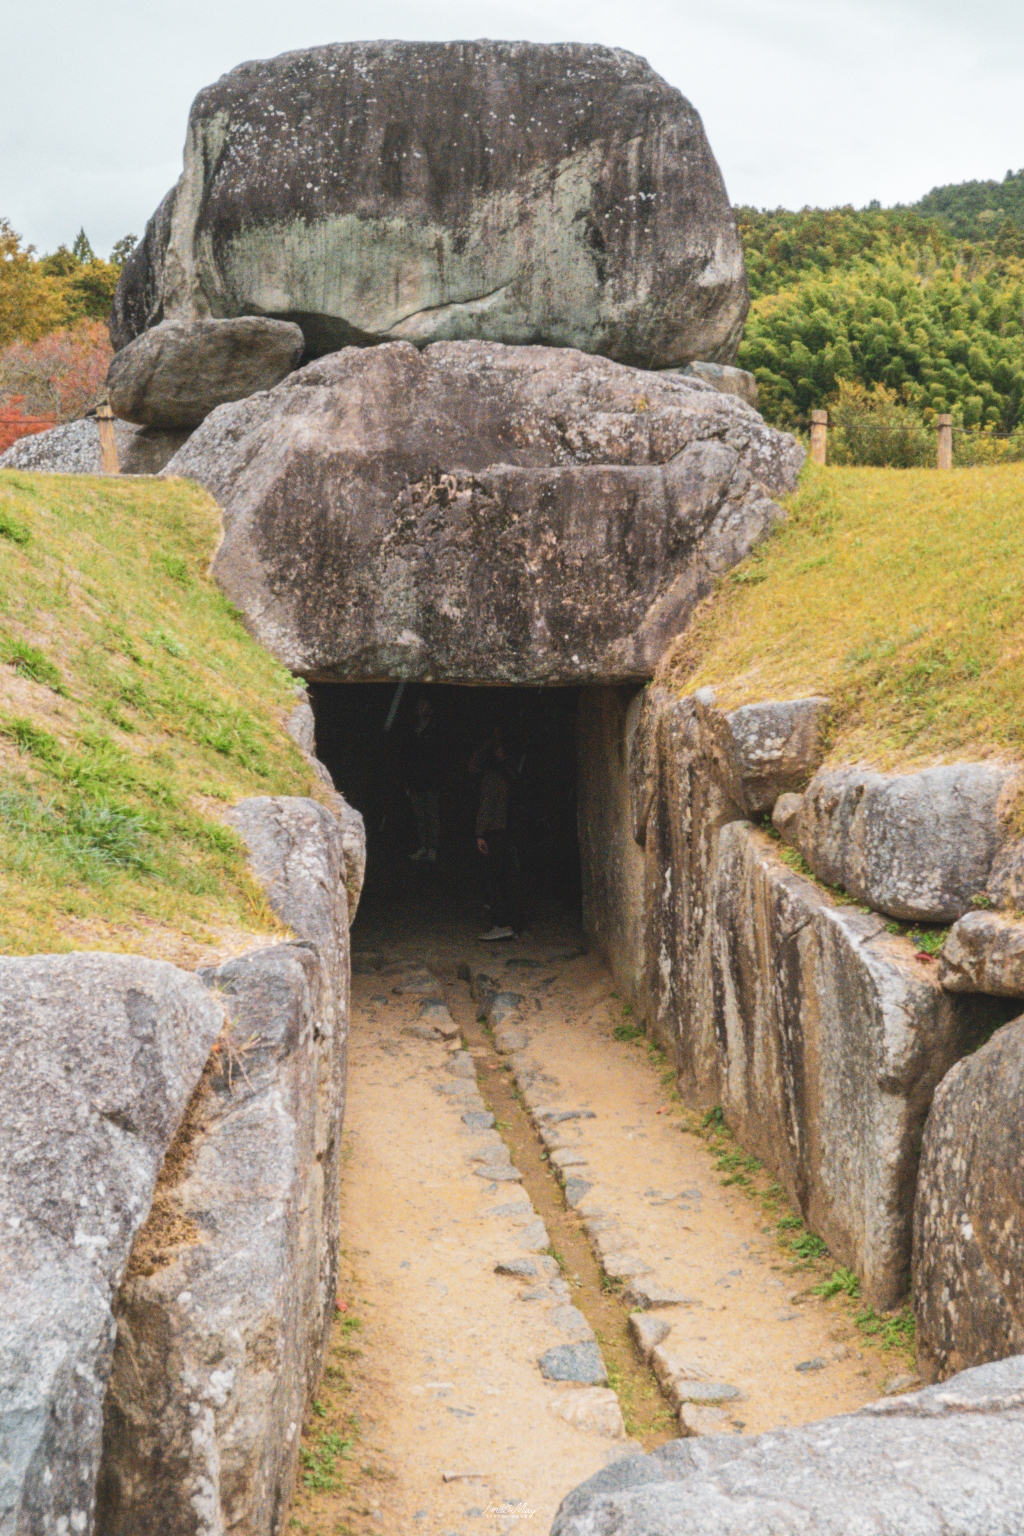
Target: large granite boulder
[[942, 1462], [174, 375], [479, 513], [969, 1214], [223, 1318], [984, 952], [561, 195], [918, 846], [99, 1055]]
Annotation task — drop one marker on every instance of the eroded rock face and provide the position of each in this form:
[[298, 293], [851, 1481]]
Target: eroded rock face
[[917, 846], [478, 513], [942, 1460], [969, 1214], [100, 1055], [223, 1318], [174, 375], [560, 195], [831, 1038]]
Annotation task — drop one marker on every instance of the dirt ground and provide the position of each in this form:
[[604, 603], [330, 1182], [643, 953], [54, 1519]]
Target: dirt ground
[[434, 1416]]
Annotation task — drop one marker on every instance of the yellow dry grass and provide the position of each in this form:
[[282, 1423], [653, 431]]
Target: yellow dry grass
[[899, 594]]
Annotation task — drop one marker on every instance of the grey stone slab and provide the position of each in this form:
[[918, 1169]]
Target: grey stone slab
[[99, 1055], [478, 1118], [576, 1189], [968, 1270], [575, 1362], [521, 1269], [936, 1462], [761, 751]]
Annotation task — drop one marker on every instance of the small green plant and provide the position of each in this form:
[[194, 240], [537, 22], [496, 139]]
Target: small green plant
[[31, 662], [714, 1118], [627, 1032], [31, 739], [174, 567], [167, 642], [11, 529], [351, 1324], [841, 1282], [790, 1224], [809, 1246], [893, 1331], [627, 1010], [320, 1461], [930, 940]]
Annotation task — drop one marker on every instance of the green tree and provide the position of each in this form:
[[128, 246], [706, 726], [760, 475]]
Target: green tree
[[82, 251]]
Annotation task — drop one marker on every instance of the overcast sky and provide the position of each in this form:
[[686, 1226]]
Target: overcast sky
[[804, 101]]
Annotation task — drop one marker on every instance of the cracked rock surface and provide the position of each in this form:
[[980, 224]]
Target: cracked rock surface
[[482, 513]]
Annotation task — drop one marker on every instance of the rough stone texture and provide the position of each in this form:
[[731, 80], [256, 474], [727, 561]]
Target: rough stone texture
[[984, 952], [173, 376], [574, 1362], [301, 727], [761, 751], [558, 195], [820, 1034], [224, 1316], [611, 864], [481, 513], [648, 1331], [74, 449], [731, 381], [918, 846], [99, 1055], [969, 1214], [942, 1462], [785, 817], [831, 1038]]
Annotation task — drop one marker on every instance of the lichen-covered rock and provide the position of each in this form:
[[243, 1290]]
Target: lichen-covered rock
[[479, 513], [731, 381], [761, 751], [969, 1213], [99, 1055], [74, 449], [174, 375], [558, 195], [941, 1462], [224, 1316], [917, 846], [831, 1039], [984, 952]]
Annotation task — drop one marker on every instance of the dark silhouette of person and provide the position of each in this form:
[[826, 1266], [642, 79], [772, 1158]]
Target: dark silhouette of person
[[495, 832], [422, 770]]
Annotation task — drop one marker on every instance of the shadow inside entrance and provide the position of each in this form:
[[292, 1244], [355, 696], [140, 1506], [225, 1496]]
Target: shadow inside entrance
[[371, 737]]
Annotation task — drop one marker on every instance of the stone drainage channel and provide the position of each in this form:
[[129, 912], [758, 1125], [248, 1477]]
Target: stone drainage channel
[[540, 1272]]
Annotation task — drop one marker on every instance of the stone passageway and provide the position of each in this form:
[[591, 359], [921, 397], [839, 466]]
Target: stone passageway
[[520, 1206]]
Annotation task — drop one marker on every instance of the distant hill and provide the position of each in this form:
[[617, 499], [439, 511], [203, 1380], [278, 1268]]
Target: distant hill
[[977, 210]]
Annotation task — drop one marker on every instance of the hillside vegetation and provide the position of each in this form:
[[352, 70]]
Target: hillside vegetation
[[134, 708], [897, 594], [890, 298]]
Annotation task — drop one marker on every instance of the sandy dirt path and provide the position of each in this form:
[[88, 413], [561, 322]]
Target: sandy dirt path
[[434, 1361]]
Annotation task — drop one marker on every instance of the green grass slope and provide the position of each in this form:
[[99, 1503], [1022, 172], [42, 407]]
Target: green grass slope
[[134, 708], [899, 594]]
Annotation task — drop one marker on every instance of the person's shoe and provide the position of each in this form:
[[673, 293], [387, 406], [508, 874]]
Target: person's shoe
[[419, 855], [431, 855], [498, 933]]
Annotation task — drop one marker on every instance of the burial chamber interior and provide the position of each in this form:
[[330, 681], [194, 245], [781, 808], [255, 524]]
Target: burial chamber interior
[[366, 735]]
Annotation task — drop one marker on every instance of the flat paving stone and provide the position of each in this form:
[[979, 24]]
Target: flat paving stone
[[575, 1362]]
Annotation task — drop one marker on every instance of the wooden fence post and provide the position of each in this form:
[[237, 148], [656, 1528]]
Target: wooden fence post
[[819, 437], [108, 442], [944, 456]]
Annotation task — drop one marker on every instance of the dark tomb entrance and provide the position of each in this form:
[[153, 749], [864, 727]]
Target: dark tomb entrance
[[366, 736]]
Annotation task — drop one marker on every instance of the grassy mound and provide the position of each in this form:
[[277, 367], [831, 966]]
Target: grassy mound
[[133, 709], [897, 593]]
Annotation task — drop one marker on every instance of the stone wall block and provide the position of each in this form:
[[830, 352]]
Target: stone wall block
[[833, 1038], [969, 1213], [223, 1317], [917, 846], [99, 1055], [762, 751], [984, 952]]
